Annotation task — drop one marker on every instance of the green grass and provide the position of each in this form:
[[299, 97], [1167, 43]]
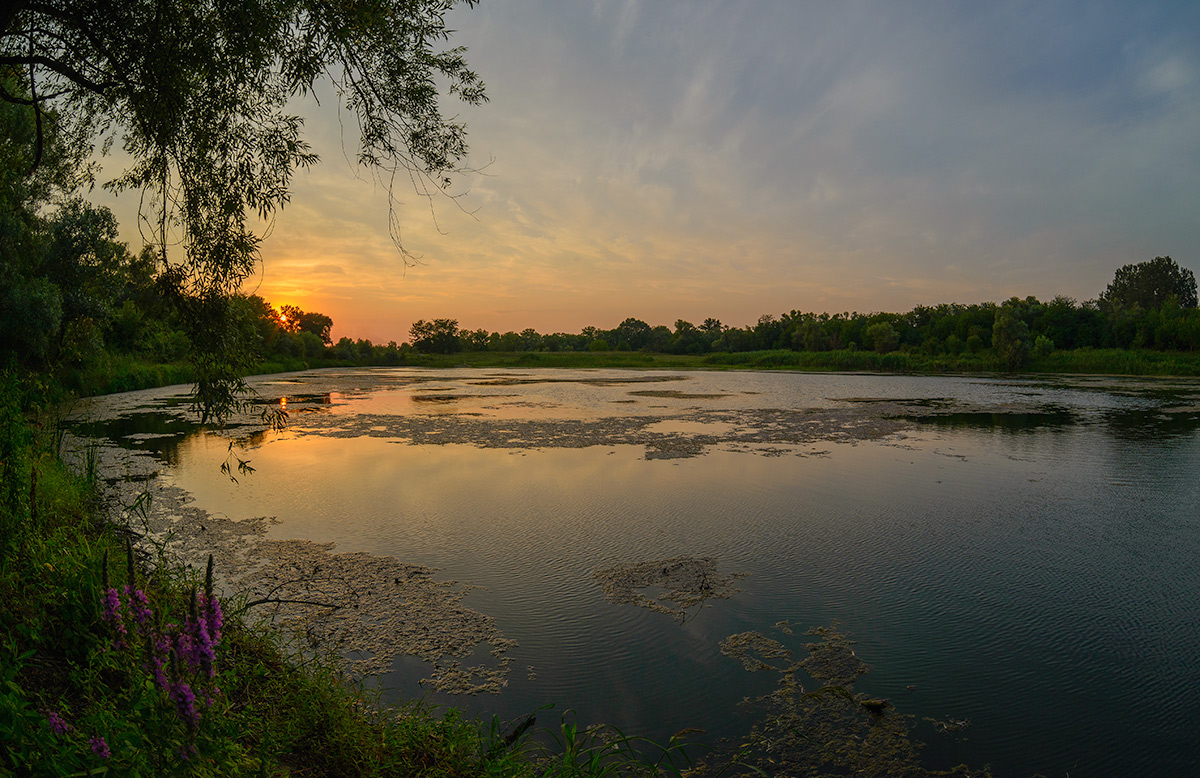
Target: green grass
[[1093, 361], [110, 373], [1139, 362]]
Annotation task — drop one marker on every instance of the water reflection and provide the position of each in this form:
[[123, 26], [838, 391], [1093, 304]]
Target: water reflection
[[1151, 423], [1002, 422], [159, 432]]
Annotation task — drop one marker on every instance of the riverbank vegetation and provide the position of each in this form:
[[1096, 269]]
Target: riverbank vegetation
[[120, 332]]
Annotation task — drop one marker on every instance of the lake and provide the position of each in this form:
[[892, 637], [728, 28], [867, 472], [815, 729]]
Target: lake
[[1018, 557]]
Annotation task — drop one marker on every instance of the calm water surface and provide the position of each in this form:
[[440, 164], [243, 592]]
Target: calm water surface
[[1023, 554]]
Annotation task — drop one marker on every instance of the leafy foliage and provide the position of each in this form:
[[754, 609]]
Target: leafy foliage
[[1150, 284], [439, 336], [198, 93], [1010, 336]]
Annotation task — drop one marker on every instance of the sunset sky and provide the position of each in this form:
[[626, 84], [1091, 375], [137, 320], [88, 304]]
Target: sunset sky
[[670, 159]]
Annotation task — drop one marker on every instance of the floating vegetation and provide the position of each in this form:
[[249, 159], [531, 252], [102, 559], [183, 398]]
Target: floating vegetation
[[449, 395], [689, 582], [357, 603], [949, 725], [677, 395], [832, 660], [829, 730], [767, 430], [521, 379], [1003, 422], [919, 402], [753, 649], [452, 678]]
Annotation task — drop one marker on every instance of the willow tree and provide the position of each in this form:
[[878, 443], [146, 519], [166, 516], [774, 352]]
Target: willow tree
[[197, 91]]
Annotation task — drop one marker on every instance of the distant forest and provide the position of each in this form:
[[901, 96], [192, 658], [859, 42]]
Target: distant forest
[[115, 309], [1148, 305]]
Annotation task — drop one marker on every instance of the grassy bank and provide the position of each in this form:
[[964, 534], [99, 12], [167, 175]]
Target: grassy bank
[[1091, 361]]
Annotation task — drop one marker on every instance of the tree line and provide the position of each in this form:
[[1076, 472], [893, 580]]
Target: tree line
[[1149, 305]]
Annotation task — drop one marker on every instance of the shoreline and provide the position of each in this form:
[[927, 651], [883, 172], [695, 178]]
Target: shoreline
[[347, 608]]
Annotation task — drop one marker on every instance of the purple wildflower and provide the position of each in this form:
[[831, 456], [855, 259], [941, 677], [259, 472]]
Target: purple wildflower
[[99, 747], [161, 649], [185, 703], [215, 618], [139, 606], [57, 725], [205, 652], [112, 614], [185, 645], [203, 638]]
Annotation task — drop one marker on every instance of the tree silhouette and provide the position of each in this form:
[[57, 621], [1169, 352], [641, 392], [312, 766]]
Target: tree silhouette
[[1149, 285]]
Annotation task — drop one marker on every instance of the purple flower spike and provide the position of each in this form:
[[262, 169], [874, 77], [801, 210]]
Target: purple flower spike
[[57, 725], [139, 606], [161, 649], [215, 619], [112, 614], [99, 747], [185, 703], [187, 647]]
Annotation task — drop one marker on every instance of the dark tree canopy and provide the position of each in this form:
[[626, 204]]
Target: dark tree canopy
[[59, 256], [197, 91], [439, 336], [317, 323], [1010, 335], [1150, 284]]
